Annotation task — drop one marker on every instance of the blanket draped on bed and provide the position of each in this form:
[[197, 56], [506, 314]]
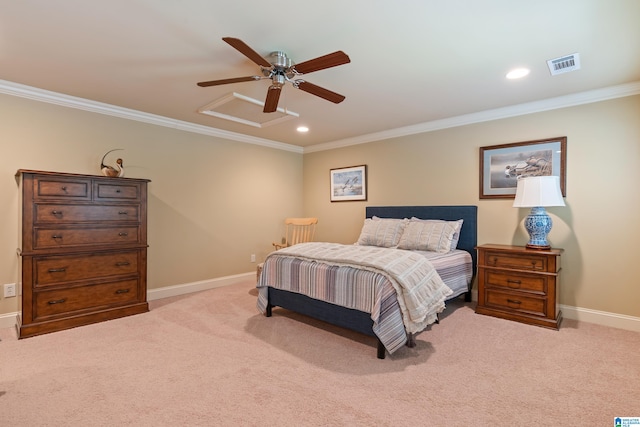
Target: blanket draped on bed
[[420, 291]]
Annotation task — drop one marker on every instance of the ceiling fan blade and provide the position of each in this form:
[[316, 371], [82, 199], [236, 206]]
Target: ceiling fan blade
[[273, 95], [244, 49], [227, 81], [327, 61], [336, 98]]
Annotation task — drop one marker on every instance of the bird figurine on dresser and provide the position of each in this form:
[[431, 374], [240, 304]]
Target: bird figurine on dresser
[[117, 171]]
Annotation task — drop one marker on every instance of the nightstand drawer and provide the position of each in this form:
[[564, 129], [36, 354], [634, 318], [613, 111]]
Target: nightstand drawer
[[520, 282], [531, 262], [515, 302]]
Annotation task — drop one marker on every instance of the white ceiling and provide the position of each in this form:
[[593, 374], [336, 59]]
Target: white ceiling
[[413, 62]]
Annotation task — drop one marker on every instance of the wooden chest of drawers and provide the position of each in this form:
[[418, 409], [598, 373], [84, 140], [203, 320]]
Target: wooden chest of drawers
[[519, 284], [83, 244]]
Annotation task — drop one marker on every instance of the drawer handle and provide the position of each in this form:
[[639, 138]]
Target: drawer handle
[[123, 233], [123, 213], [64, 188], [57, 236], [122, 291], [514, 301], [57, 301], [57, 270], [515, 282], [118, 190], [120, 264], [495, 260], [54, 212]]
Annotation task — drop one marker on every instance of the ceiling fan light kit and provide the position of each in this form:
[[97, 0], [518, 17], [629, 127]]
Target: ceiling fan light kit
[[280, 70]]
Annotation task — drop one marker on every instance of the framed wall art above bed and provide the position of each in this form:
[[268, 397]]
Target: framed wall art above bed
[[348, 184], [502, 165]]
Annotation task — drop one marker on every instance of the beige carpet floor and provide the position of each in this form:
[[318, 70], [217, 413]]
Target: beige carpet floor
[[209, 359]]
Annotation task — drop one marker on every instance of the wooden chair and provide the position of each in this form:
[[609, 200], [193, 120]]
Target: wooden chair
[[298, 230]]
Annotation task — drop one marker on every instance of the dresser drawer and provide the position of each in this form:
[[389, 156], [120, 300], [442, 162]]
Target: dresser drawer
[[66, 301], [79, 189], [62, 213], [514, 302], [67, 269], [91, 236], [515, 261], [534, 283], [117, 191]]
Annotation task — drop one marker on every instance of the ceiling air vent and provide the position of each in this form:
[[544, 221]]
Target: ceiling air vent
[[242, 109], [565, 64]]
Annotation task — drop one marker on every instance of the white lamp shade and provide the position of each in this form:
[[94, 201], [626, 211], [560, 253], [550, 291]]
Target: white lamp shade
[[536, 191]]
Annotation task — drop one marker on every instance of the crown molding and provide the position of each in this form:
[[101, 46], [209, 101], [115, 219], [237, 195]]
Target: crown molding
[[597, 95], [575, 99], [36, 94]]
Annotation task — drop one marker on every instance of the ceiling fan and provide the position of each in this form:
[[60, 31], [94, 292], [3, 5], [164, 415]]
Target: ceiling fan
[[280, 69]]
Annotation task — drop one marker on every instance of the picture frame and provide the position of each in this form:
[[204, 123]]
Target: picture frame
[[502, 165], [349, 183]]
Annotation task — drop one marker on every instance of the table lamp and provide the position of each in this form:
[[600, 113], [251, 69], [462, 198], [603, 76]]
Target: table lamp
[[536, 192]]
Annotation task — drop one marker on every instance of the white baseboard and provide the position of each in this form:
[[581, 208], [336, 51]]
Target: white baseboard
[[8, 320], [604, 318], [614, 320], [203, 285]]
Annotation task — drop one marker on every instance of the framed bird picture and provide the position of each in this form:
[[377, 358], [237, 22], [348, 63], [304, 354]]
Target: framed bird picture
[[349, 184], [502, 165]]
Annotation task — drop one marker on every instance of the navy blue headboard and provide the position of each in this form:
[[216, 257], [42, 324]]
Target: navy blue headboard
[[469, 215]]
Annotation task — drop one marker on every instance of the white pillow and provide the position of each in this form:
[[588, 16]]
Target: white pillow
[[430, 235], [381, 232]]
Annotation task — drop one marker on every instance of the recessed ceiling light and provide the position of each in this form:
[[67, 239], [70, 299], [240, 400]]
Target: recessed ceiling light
[[302, 129], [518, 73]]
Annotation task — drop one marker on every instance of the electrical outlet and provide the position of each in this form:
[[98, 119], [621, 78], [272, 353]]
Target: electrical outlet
[[253, 257], [9, 290]]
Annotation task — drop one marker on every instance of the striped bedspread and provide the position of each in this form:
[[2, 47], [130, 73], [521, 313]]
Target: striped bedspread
[[400, 289]]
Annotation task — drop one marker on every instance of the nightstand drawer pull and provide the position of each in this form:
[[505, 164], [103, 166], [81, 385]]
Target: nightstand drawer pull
[[57, 301], [57, 270], [123, 263], [123, 213], [122, 291], [57, 236], [514, 301], [123, 233], [54, 212], [64, 188]]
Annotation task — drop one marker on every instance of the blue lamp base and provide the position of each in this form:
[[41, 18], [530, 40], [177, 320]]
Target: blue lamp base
[[538, 224]]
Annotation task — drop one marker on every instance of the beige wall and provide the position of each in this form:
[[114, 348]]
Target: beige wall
[[598, 228], [212, 202]]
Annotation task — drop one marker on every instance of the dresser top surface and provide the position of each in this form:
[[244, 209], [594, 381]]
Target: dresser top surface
[[74, 175]]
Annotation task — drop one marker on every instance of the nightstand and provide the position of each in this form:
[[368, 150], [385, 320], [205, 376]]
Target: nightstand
[[519, 284]]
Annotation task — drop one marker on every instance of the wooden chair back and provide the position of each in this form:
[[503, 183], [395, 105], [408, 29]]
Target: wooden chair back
[[298, 230]]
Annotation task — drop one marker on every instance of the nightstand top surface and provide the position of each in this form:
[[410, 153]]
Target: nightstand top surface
[[522, 249]]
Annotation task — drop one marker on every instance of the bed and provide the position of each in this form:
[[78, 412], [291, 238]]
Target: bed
[[364, 296]]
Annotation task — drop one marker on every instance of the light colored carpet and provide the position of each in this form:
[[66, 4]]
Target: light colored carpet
[[210, 359]]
